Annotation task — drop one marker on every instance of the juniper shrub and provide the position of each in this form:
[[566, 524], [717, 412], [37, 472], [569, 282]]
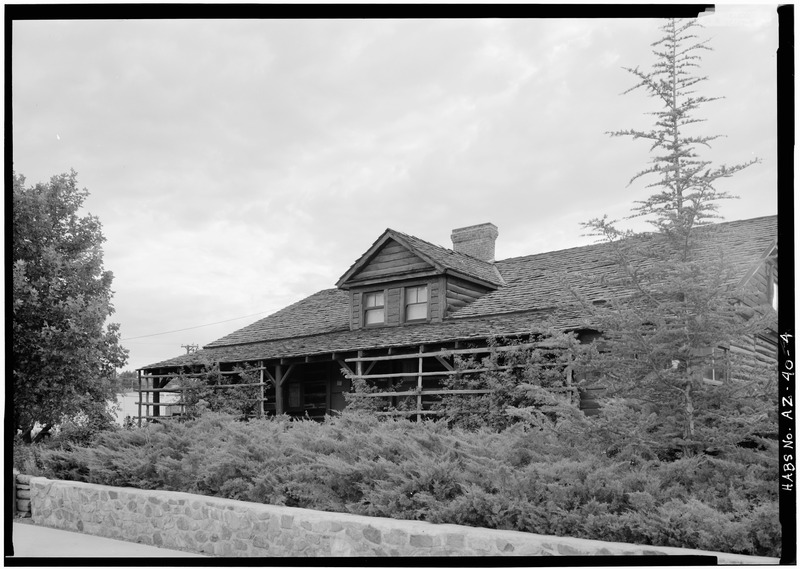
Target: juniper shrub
[[517, 479]]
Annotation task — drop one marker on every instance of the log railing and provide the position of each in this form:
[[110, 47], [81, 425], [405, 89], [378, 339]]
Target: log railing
[[419, 392], [182, 389], [277, 375]]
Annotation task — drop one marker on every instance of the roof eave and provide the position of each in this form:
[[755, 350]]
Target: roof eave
[[768, 252]]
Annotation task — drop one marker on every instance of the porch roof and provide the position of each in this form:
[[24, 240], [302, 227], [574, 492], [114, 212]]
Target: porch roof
[[348, 341]]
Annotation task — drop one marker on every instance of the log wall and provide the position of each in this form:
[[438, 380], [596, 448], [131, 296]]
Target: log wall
[[459, 293]]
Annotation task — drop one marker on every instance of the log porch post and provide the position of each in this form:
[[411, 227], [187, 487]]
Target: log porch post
[[157, 397], [261, 364], [139, 375], [147, 385], [419, 385], [359, 365], [278, 390]]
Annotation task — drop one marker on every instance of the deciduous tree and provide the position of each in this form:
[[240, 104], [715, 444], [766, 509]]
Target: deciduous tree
[[64, 353]]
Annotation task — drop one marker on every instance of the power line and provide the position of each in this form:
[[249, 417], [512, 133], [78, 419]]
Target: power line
[[191, 327]]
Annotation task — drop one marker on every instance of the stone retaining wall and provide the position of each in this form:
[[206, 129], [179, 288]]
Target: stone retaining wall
[[218, 526]]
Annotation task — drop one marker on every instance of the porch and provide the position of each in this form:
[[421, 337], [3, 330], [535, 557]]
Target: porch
[[406, 380]]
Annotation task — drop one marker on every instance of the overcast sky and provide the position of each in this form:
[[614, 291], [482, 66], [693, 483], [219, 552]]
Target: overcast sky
[[239, 166]]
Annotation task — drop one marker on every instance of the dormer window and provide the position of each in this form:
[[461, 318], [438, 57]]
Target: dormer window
[[416, 300], [374, 312]]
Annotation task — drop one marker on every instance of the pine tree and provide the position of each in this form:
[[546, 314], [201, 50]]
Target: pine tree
[[677, 308]]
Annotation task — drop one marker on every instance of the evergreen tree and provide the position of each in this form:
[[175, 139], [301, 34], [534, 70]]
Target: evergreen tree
[[676, 309], [64, 355], [686, 195]]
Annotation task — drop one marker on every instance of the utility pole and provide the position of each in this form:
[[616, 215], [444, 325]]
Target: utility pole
[[190, 348]]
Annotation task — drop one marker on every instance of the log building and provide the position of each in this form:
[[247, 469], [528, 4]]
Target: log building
[[406, 307]]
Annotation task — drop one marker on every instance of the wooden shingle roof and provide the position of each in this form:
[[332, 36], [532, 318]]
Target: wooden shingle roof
[[535, 288], [369, 338], [322, 312], [541, 281]]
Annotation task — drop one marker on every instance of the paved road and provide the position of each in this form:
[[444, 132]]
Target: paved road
[[38, 541]]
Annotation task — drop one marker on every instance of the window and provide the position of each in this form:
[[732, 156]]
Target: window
[[373, 308], [716, 371], [416, 303]]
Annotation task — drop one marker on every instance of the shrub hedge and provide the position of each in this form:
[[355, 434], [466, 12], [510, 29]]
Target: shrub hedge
[[519, 479]]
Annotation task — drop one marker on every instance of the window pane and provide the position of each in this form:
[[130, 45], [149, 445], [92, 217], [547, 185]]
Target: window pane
[[373, 316], [416, 311], [416, 294], [373, 299]]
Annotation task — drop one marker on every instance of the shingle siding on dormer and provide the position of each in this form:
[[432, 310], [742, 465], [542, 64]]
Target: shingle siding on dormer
[[393, 306], [356, 301]]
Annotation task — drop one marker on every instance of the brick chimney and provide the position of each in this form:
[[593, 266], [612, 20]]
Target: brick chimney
[[476, 241]]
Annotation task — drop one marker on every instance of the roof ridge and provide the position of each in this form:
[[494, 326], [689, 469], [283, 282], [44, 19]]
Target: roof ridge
[[414, 237], [446, 250], [603, 243]]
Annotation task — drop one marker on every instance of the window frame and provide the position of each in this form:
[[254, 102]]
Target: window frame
[[719, 366], [365, 308], [427, 303]]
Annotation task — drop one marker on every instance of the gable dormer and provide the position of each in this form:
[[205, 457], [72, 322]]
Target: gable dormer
[[403, 280], [388, 259]]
